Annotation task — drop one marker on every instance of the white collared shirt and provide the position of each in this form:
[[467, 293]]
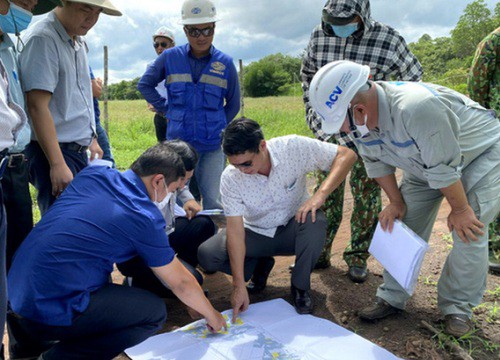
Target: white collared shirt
[[266, 202]]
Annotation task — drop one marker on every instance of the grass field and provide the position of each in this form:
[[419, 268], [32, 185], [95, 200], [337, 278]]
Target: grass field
[[131, 128]]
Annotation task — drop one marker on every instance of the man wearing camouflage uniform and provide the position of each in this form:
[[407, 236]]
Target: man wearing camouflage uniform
[[483, 86], [347, 32]]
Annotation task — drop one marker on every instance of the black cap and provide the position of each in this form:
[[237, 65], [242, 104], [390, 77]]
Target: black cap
[[333, 20], [44, 6]]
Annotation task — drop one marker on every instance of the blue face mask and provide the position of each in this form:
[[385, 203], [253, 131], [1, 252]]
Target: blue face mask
[[344, 31], [16, 20]]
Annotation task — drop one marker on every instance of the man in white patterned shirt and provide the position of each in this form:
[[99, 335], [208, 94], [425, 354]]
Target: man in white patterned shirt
[[347, 32], [269, 211]]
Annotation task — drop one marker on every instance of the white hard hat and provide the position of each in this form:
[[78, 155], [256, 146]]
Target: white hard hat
[[198, 12], [165, 32], [332, 89]]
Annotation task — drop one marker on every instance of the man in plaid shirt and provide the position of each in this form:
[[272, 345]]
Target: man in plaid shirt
[[347, 32]]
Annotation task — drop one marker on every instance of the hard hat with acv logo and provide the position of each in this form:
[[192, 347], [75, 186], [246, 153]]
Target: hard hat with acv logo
[[198, 12], [332, 89]]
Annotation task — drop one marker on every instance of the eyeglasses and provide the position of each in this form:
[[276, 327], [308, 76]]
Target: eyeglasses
[[195, 32], [245, 164], [162, 44]]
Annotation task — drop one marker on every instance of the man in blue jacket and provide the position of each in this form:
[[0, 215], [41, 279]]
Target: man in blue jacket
[[203, 94]]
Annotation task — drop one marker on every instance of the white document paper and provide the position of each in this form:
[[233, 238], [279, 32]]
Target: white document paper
[[267, 330], [180, 212], [401, 253]]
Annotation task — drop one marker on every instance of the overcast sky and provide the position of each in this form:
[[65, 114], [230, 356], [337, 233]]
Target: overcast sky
[[250, 30]]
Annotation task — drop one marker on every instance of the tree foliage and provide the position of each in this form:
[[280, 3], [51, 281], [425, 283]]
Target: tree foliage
[[271, 75], [124, 90], [475, 23]]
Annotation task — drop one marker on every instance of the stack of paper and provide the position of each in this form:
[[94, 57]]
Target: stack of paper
[[401, 253], [267, 330], [179, 212]]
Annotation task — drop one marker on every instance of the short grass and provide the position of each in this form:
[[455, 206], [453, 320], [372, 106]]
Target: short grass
[[131, 128]]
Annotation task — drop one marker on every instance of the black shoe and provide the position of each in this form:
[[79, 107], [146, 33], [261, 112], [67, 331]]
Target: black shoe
[[379, 310], [358, 274], [302, 301], [260, 275]]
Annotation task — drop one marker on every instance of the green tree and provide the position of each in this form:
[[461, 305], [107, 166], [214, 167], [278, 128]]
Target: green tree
[[474, 24], [271, 75]]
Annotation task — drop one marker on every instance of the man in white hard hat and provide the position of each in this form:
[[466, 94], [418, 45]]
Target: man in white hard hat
[[163, 39], [447, 146], [56, 79], [347, 32], [203, 94]]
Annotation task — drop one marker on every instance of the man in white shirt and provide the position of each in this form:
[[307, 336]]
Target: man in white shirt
[[269, 211]]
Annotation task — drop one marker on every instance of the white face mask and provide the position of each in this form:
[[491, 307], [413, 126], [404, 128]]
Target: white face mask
[[161, 205], [358, 131], [362, 130]]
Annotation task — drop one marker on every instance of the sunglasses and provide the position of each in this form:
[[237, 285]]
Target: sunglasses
[[156, 45], [195, 32]]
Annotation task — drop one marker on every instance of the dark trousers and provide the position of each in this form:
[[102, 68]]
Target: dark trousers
[[103, 141], [39, 170], [3, 271], [17, 201], [160, 127], [305, 241], [185, 240], [117, 318]]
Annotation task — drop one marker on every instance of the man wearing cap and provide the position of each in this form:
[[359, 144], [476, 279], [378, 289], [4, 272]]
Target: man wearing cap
[[347, 32], [59, 98], [15, 16], [269, 211], [448, 146], [203, 94], [163, 39]]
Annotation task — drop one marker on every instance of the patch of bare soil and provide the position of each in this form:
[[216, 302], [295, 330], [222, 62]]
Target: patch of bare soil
[[338, 299]]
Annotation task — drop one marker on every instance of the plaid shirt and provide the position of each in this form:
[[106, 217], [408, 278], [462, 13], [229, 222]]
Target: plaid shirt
[[377, 45]]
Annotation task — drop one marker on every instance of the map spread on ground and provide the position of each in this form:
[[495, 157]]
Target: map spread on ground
[[267, 330]]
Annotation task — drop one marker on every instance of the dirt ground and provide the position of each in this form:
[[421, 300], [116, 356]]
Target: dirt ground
[[338, 299]]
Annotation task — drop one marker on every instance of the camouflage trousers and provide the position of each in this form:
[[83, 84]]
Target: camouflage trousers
[[494, 241], [366, 207]]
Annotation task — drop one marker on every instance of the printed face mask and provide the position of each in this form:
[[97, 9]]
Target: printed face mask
[[344, 31]]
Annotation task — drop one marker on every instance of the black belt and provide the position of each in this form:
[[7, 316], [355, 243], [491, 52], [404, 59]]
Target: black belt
[[16, 159], [73, 146]]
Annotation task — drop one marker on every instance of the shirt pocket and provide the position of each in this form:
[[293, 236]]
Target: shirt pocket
[[212, 97], [176, 125], [177, 93]]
